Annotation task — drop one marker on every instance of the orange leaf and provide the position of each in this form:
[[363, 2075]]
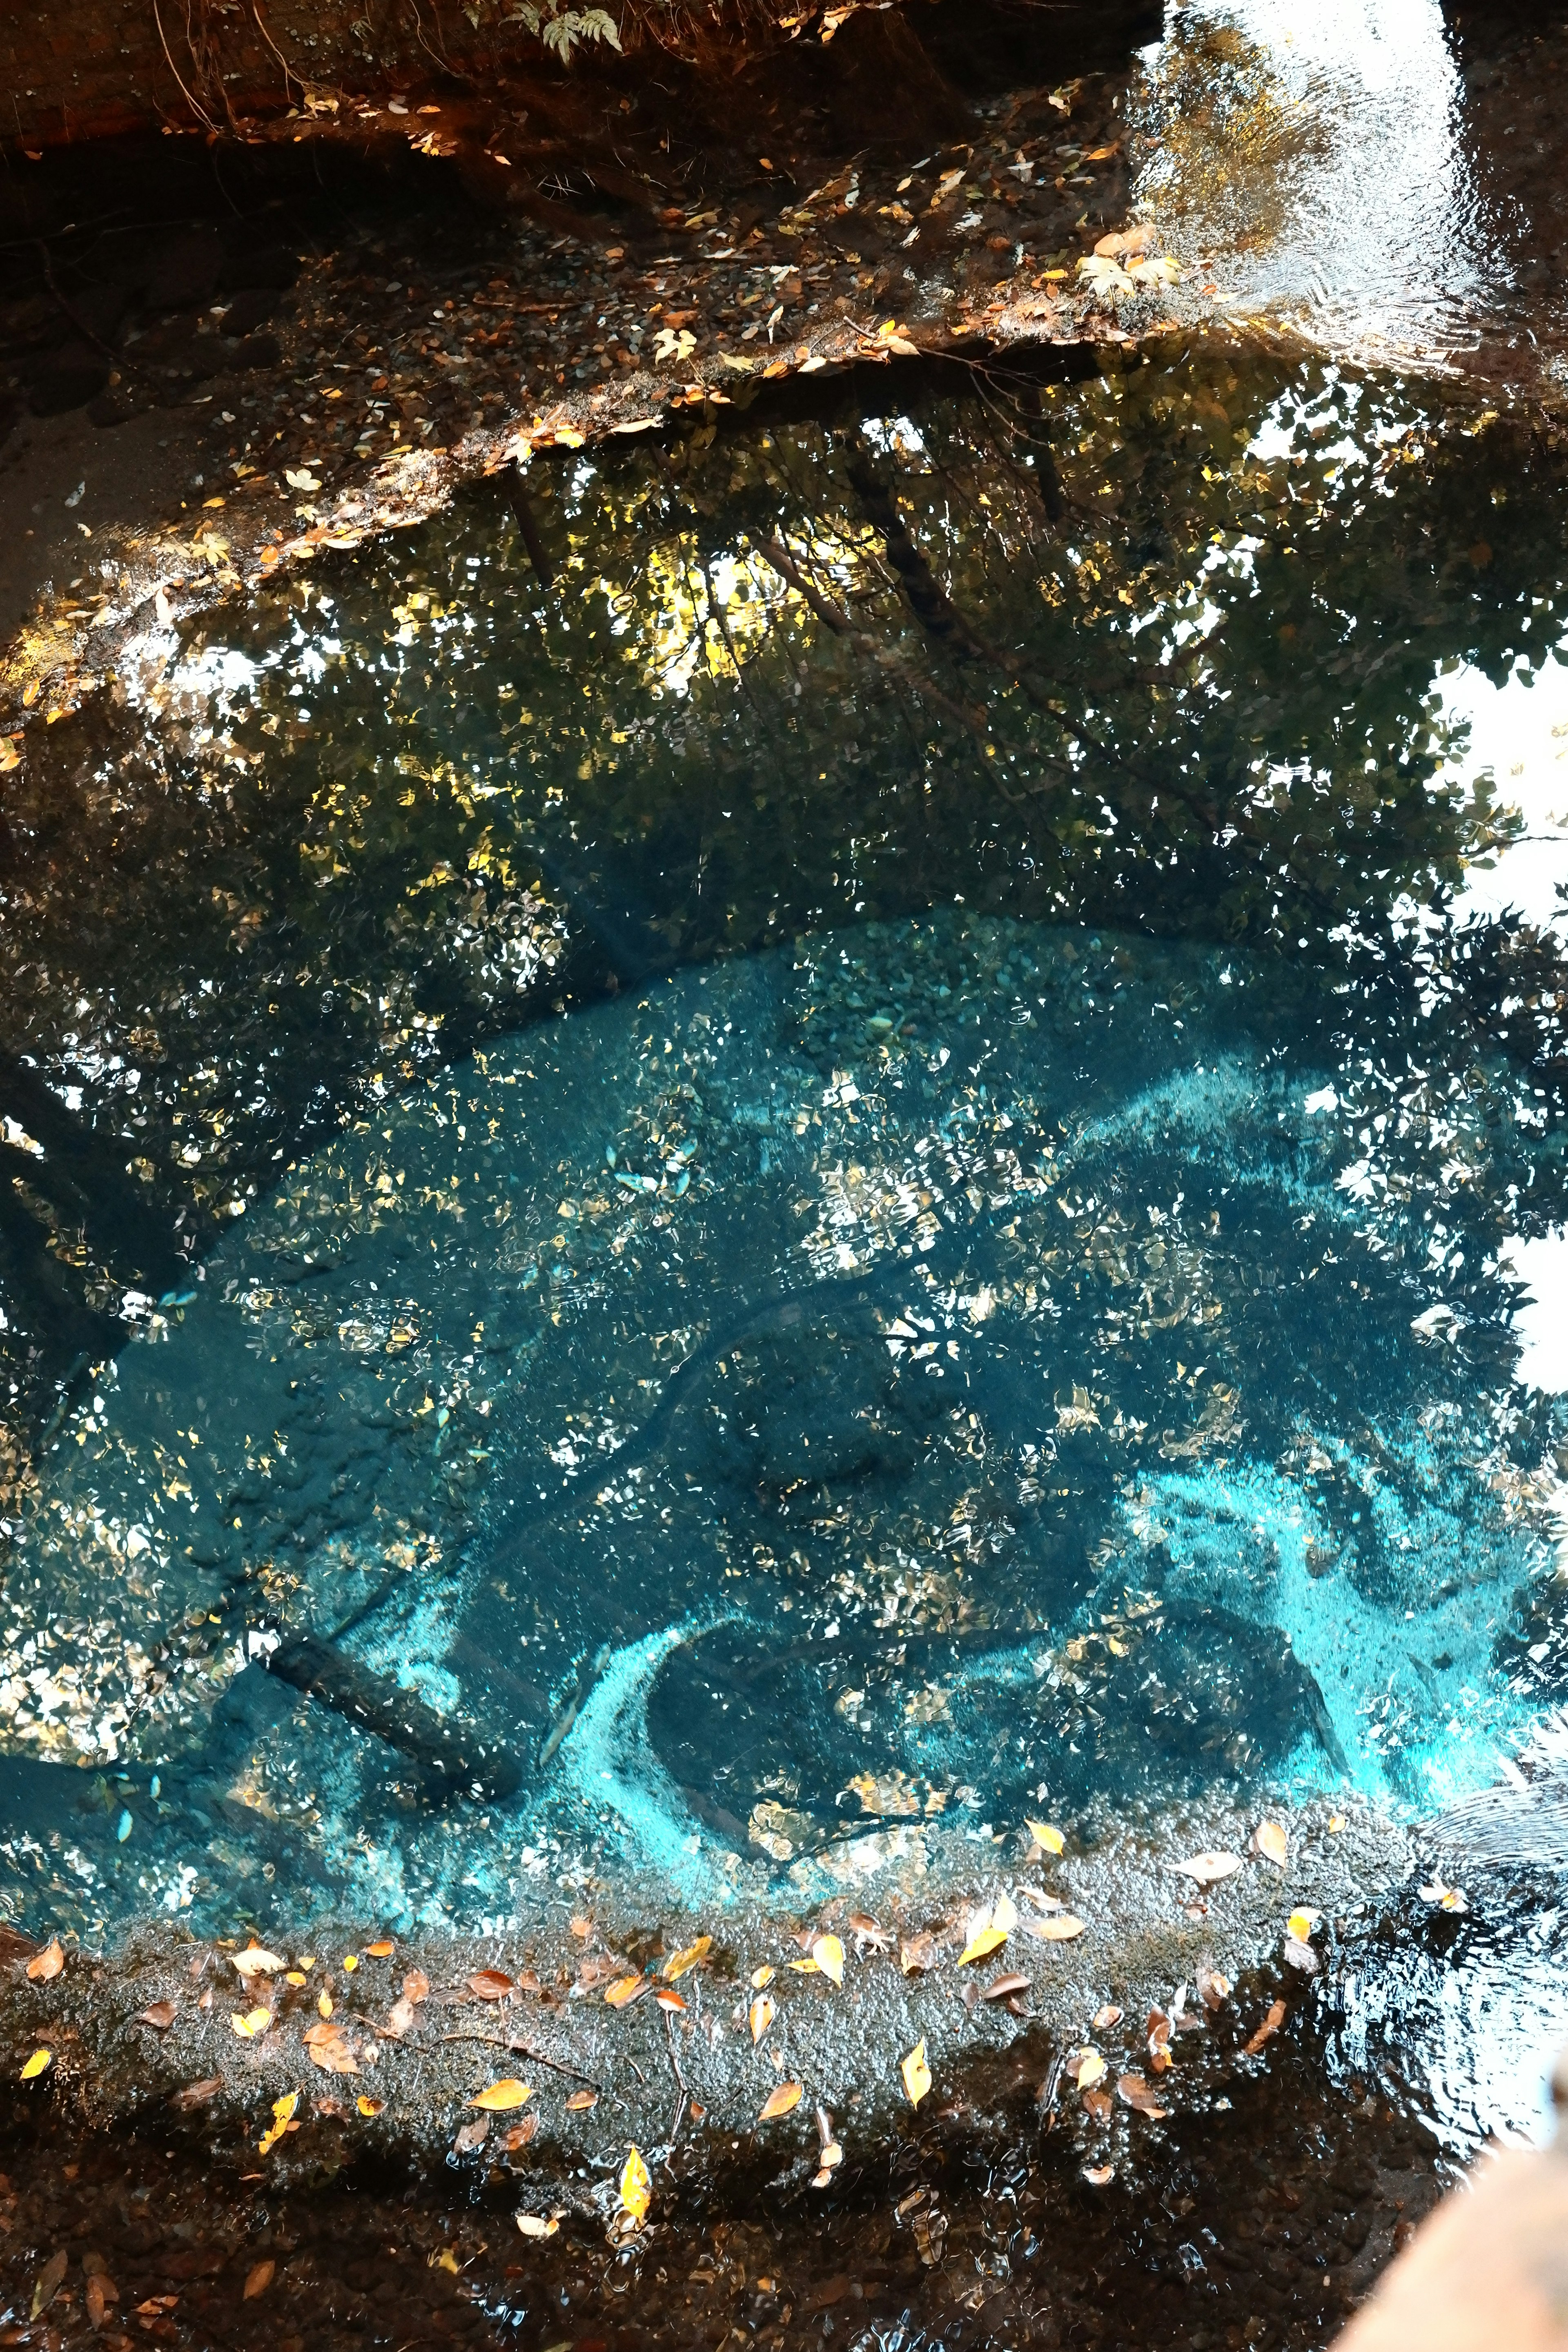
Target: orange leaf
[[508, 2093], [621, 1994], [780, 2102], [379, 1951], [47, 1963], [488, 1984], [761, 2016]]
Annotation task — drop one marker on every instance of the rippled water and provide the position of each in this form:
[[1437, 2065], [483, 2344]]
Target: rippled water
[[791, 1227]]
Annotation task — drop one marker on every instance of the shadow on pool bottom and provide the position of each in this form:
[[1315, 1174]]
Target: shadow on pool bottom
[[1261, 2222]]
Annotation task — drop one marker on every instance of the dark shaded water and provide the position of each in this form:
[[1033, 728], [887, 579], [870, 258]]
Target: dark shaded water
[[799, 1224]]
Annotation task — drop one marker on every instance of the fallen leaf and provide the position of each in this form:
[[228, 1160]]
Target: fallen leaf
[[760, 2016], [283, 2115], [471, 2135], [257, 1961], [1098, 2174], [161, 2014], [300, 478], [1208, 1869], [637, 2188], [1269, 2027], [1128, 240], [1097, 2103], [1050, 1840], [325, 2004], [1058, 1930], [254, 2021], [1270, 1840], [916, 1953], [1104, 2018], [829, 1953], [1003, 1988], [330, 2051], [630, 1988], [669, 2000], [489, 1984], [761, 1977], [779, 2102], [367, 2105], [580, 2101], [1134, 2092], [47, 2285], [508, 2093], [1085, 2067], [197, 2095], [980, 1947], [400, 2019], [534, 2225], [1300, 1954], [1301, 1923], [415, 1985], [916, 2072], [47, 1963], [521, 2133], [379, 1951], [100, 2293], [1005, 1914], [258, 2278], [681, 1961]]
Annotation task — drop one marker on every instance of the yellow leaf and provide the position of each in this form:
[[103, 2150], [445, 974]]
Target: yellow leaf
[[829, 1953], [1005, 1914], [637, 2188], [761, 2016], [625, 1989], [368, 2106], [254, 2020], [1090, 2067], [35, 2065], [1044, 1836], [1336, 1823], [678, 1966], [508, 2093], [780, 2102], [916, 2074], [1302, 1924], [761, 1977], [351, 1962], [1270, 1840], [804, 1967], [325, 2004], [282, 2113], [988, 1940]]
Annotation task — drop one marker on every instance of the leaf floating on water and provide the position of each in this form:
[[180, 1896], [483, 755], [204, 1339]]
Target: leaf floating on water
[[1061, 1928], [35, 2065], [1049, 1840], [780, 2102], [257, 2279], [669, 2000], [489, 1984], [521, 2134], [535, 2225], [500, 2096], [283, 2115], [580, 2101], [1086, 2067], [829, 1953], [46, 2286], [254, 2021], [329, 2051], [47, 1964], [1448, 1897], [1269, 2027], [681, 1961], [761, 1977], [760, 2016], [256, 1961], [1134, 2092], [471, 2135], [1270, 1840], [626, 1989], [980, 1946], [916, 2071], [161, 2015], [1208, 1869], [637, 2188]]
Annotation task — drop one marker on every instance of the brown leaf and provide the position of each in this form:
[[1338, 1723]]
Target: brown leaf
[[1214, 1990], [780, 2101], [1104, 2018], [161, 2014], [400, 2019], [330, 2051], [603, 1968], [101, 2291], [918, 1952], [1000, 1987], [415, 1985], [1099, 2104], [580, 2101], [47, 1964], [1098, 2176], [521, 2133], [471, 2134], [1134, 2092], [197, 2095], [1270, 2026], [489, 1984], [867, 1934], [258, 2278]]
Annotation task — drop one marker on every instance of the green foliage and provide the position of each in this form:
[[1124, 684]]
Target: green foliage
[[561, 29]]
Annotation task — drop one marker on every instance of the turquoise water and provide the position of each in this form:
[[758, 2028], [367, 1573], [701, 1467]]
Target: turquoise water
[[794, 1238]]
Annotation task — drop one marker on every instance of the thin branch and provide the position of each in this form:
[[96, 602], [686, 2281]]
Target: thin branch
[[194, 105]]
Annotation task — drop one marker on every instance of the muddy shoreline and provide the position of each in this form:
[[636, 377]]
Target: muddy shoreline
[[1185, 2188]]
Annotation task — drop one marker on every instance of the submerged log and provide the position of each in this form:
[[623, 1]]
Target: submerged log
[[391, 1714]]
